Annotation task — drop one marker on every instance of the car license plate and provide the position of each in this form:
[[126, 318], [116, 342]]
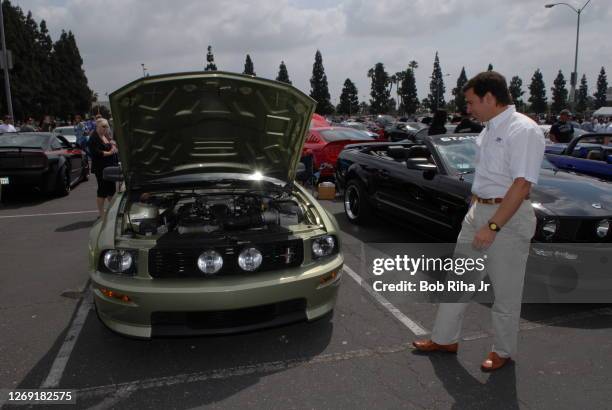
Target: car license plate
[[4, 180]]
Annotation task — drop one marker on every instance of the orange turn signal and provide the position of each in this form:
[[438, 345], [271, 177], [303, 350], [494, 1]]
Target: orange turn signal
[[115, 295], [331, 277]]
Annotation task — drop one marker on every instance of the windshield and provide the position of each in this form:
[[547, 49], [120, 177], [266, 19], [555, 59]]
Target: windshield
[[459, 153], [65, 131], [24, 140], [344, 134]]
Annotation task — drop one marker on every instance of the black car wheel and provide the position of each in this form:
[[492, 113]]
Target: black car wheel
[[62, 185], [85, 173], [356, 204]]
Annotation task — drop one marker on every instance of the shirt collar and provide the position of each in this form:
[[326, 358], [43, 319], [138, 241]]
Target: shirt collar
[[501, 117]]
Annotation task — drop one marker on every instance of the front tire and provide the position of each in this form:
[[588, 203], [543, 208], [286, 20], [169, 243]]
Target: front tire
[[357, 206]]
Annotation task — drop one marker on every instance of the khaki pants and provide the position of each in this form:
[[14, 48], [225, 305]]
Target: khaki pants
[[505, 266]]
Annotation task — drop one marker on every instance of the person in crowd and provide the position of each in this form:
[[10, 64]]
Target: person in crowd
[[437, 123], [467, 124], [7, 125], [103, 154], [82, 137], [29, 126], [501, 221], [588, 125], [46, 124], [562, 131]]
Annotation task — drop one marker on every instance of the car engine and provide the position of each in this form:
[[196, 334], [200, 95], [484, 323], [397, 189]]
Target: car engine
[[197, 213]]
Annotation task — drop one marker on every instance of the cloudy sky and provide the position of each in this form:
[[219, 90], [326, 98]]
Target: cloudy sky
[[517, 36]]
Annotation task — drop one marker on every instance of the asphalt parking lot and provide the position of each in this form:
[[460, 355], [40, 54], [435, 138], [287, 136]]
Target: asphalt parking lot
[[360, 357]]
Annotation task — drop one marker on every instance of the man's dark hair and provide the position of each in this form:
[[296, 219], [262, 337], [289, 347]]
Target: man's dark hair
[[492, 82]]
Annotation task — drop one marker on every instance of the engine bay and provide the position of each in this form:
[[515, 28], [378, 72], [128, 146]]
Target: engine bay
[[212, 213]]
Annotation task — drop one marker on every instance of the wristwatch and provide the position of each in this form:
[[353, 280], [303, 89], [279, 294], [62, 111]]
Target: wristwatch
[[494, 227]]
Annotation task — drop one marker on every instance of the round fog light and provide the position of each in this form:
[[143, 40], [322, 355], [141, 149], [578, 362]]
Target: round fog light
[[210, 262], [118, 260], [250, 259], [549, 229], [603, 228], [323, 246]]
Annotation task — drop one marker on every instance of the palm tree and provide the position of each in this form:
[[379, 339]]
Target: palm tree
[[400, 76], [413, 65]]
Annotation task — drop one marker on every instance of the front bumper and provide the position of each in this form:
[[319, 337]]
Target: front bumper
[[156, 306]]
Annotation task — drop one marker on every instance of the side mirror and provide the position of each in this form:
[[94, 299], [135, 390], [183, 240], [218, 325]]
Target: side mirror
[[112, 174]]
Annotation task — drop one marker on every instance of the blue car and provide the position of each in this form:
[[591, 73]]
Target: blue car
[[589, 154]]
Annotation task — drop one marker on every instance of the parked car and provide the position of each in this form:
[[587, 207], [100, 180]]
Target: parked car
[[587, 153], [429, 186], [211, 235], [324, 144], [67, 132], [41, 160]]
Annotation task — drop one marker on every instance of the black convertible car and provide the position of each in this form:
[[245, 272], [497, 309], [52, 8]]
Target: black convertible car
[[41, 160], [428, 184]]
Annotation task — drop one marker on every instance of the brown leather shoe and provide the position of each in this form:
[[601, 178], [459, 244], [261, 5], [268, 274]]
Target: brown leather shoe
[[431, 346], [494, 362]]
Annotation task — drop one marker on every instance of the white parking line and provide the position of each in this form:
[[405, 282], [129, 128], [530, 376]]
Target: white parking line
[[49, 214], [59, 364], [405, 320]]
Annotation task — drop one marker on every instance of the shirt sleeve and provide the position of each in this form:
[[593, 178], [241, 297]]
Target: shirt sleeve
[[526, 154]]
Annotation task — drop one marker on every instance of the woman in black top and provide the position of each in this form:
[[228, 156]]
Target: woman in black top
[[103, 154]]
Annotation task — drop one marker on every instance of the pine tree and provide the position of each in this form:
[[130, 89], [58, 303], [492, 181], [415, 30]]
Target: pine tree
[[349, 101], [319, 89], [559, 94], [380, 93], [602, 86], [460, 104], [490, 67], [537, 91], [516, 91], [283, 75], [582, 96], [210, 59], [249, 69], [436, 86], [408, 93]]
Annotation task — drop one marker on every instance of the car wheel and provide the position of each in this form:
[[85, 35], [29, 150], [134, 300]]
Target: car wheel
[[357, 207], [85, 173], [62, 185]]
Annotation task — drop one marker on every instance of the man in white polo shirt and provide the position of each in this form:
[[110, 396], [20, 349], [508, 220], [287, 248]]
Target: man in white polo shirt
[[500, 222]]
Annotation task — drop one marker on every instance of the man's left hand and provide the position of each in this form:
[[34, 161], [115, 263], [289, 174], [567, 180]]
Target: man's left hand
[[484, 238]]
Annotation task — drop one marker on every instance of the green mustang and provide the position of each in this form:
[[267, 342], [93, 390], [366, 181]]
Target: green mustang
[[211, 234]]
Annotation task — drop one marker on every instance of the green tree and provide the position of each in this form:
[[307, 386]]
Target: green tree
[[582, 96], [559, 94], [408, 93], [249, 69], [490, 67], [460, 104], [349, 101], [516, 91], [210, 60], [319, 89], [436, 86], [380, 93], [537, 93], [602, 86], [283, 75]]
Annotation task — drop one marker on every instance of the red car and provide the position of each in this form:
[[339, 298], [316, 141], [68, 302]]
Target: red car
[[325, 143]]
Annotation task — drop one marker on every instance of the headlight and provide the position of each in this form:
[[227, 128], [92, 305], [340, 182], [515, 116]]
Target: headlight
[[602, 228], [118, 260], [549, 228], [210, 262], [250, 259], [323, 246]]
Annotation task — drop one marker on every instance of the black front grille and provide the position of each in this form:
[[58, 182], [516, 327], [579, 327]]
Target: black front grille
[[183, 262], [228, 320]]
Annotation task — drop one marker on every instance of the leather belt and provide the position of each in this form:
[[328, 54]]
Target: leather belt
[[492, 201]]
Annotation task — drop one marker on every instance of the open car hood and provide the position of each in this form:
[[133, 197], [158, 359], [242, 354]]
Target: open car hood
[[209, 122]]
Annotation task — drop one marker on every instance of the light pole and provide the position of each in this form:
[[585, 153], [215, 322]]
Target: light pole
[[144, 70], [574, 76]]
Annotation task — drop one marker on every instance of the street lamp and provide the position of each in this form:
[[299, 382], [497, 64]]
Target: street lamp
[[574, 76], [144, 70]]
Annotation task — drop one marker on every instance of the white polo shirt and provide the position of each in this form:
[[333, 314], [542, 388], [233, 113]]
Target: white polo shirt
[[509, 147]]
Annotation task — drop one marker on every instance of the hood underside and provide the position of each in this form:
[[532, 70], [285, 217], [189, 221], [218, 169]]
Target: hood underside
[[209, 122]]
